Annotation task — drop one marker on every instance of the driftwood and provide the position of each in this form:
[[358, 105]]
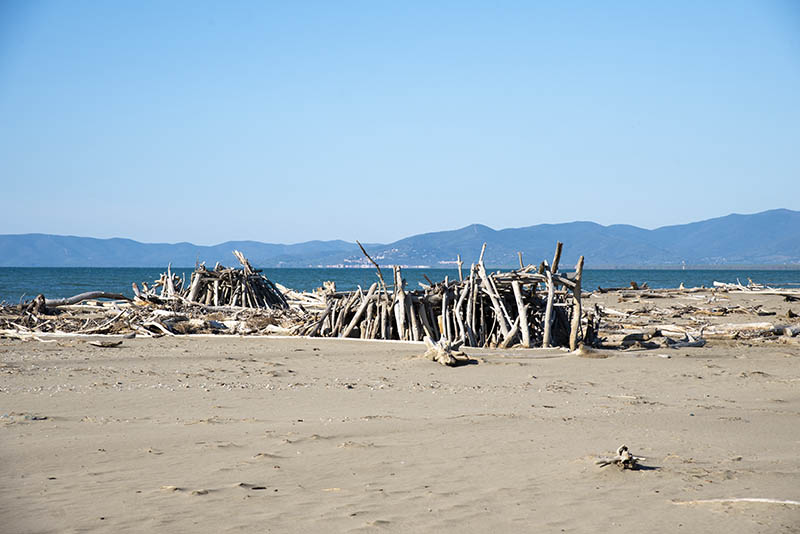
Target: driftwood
[[245, 287], [530, 306], [53, 303], [480, 309], [445, 353], [691, 318], [624, 459]]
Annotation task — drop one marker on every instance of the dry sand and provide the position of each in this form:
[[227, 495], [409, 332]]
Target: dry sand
[[294, 435]]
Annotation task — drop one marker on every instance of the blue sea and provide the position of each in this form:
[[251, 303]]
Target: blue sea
[[23, 283]]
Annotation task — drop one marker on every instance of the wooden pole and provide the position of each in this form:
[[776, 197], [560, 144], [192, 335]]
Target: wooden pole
[[576, 306], [556, 257], [522, 308], [548, 312], [400, 303]]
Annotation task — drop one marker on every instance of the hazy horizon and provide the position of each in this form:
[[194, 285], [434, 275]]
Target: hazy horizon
[[376, 242]]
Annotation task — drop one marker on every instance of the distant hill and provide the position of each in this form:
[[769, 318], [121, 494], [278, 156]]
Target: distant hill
[[766, 238]]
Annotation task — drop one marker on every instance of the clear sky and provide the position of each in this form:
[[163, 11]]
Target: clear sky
[[291, 121]]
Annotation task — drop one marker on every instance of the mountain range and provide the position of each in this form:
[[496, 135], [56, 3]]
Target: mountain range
[[767, 238]]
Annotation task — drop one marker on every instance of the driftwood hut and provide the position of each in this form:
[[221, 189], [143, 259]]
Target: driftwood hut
[[243, 287], [533, 306]]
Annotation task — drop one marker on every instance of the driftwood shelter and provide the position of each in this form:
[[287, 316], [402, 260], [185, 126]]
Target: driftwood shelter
[[533, 306]]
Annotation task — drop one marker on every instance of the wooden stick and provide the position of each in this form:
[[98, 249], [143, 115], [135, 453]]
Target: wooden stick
[[576, 306], [548, 313], [364, 303], [400, 302], [412, 314], [52, 303], [380, 274], [321, 320], [556, 257], [511, 334], [522, 309], [443, 326], [489, 290], [423, 315]]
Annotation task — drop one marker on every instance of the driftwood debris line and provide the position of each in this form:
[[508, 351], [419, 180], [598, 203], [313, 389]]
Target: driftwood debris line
[[689, 317], [532, 306], [144, 318]]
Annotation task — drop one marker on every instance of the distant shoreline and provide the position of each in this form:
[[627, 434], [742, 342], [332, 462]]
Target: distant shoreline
[[733, 267]]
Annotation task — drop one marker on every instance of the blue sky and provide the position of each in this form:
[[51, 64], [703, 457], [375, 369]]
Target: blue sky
[[291, 121]]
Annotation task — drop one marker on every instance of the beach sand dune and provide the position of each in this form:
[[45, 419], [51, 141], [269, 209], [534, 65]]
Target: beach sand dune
[[295, 435]]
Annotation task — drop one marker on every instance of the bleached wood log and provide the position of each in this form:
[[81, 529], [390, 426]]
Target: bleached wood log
[[54, 303], [556, 257], [377, 267], [443, 326], [383, 313], [503, 309], [512, 334], [576, 307], [444, 352], [400, 301], [488, 288], [624, 459], [791, 331], [318, 326], [473, 297], [194, 288], [423, 317], [548, 313], [375, 321], [464, 302], [170, 285], [688, 341], [412, 314], [522, 310]]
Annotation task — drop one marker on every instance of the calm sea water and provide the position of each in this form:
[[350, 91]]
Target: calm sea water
[[18, 283]]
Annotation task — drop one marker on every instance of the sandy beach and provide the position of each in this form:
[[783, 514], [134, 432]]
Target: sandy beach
[[227, 434]]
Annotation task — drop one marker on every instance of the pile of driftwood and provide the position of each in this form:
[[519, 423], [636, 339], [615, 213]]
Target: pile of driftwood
[[534, 305], [688, 317], [136, 318], [223, 301], [245, 287]]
